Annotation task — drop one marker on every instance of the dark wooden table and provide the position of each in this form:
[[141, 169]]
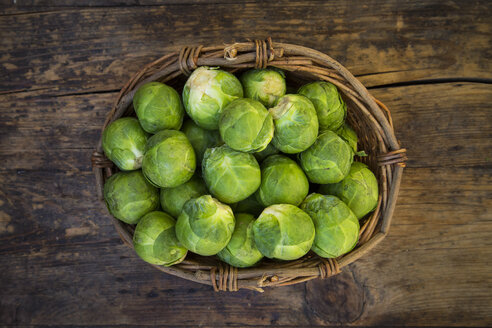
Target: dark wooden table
[[61, 261]]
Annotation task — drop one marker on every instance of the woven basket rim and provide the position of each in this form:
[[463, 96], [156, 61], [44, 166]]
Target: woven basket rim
[[294, 59]]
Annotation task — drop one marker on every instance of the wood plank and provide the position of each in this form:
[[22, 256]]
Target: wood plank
[[382, 41], [27, 4], [33, 121], [65, 263], [442, 124]]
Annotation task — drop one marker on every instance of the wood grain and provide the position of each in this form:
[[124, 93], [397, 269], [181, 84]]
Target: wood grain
[[65, 263], [451, 128], [444, 124], [64, 50], [62, 65]]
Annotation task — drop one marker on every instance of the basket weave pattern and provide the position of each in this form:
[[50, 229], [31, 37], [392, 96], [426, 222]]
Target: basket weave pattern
[[368, 116]]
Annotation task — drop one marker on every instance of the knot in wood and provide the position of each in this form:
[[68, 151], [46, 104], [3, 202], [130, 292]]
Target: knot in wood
[[100, 161], [188, 57], [226, 279], [328, 268], [398, 157]]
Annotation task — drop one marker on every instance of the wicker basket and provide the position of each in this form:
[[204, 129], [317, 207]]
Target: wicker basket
[[368, 116]]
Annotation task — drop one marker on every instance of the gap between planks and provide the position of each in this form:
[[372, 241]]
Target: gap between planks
[[379, 86]]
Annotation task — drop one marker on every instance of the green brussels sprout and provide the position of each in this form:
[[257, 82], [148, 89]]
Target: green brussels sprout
[[123, 142], [359, 190], [230, 175], [155, 240], [328, 160], [173, 199], [169, 159], [337, 228], [248, 205], [241, 251], [246, 125], [207, 92], [205, 225], [282, 182], [348, 135], [330, 107], [269, 150], [264, 85], [158, 107], [283, 232], [129, 196], [296, 124], [200, 138]]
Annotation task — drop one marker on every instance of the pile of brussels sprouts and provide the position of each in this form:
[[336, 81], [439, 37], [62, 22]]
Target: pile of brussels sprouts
[[251, 172]]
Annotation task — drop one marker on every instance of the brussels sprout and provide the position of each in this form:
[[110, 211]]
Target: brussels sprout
[[173, 199], [246, 125], [330, 107], [282, 182], [348, 135], [205, 225], [283, 232], [230, 175], [123, 142], [129, 196], [337, 228], [269, 150], [296, 124], [200, 138], [359, 190], [264, 85], [169, 159], [158, 107], [241, 251], [155, 240], [207, 92], [248, 205], [328, 160]]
